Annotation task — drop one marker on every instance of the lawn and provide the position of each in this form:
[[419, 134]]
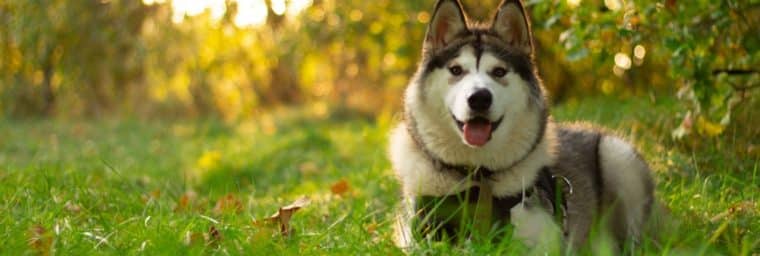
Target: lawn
[[76, 187]]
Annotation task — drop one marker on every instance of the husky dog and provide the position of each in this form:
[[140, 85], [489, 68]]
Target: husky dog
[[476, 122]]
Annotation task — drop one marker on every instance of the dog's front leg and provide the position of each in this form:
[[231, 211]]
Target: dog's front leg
[[535, 227], [403, 237]]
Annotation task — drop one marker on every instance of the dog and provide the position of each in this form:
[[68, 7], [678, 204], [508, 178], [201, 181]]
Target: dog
[[477, 131]]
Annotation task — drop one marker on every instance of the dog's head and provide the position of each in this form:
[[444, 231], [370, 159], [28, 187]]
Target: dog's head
[[478, 79]]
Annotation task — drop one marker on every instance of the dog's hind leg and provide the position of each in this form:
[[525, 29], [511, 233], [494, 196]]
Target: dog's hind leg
[[628, 186]]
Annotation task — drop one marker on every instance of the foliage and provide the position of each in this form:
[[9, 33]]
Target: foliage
[[74, 57], [75, 49], [706, 46]]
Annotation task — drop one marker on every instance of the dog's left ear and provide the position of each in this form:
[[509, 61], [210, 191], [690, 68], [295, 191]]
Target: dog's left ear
[[511, 24]]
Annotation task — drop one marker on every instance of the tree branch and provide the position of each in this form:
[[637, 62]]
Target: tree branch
[[735, 72]]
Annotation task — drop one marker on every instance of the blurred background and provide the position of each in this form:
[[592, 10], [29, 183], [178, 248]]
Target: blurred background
[[233, 59], [113, 111]]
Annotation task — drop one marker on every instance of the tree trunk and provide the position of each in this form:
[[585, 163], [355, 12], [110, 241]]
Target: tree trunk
[[48, 96]]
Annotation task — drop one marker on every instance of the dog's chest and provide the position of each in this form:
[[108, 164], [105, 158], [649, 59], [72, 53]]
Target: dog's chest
[[456, 215]]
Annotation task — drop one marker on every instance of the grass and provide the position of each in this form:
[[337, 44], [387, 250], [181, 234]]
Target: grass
[[154, 187]]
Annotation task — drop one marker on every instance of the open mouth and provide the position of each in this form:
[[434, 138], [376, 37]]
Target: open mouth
[[477, 131]]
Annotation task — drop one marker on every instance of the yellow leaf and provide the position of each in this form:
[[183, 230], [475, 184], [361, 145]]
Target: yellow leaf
[[705, 127]]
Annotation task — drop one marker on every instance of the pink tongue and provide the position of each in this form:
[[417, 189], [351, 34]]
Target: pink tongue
[[477, 133]]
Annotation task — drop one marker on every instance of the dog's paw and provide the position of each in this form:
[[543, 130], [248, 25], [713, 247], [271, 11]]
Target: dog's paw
[[535, 227]]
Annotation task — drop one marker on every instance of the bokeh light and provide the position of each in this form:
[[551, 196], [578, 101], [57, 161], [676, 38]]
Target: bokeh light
[[623, 61], [573, 3], [613, 4], [639, 51]]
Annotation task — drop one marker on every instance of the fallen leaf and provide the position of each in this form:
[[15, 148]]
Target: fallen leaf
[[72, 207], [371, 227], [192, 238], [282, 217], [184, 201], [155, 194], [213, 237], [340, 187], [228, 203], [40, 240]]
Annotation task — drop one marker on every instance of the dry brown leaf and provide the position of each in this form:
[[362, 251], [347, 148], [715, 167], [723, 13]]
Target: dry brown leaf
[[228, 203], [155, 193], [340, 187], [371, 227], [193, 238], [736, 208], [282, 217], [152, 196], [72, 207], [184, 202], [40, 240], [213, 237]]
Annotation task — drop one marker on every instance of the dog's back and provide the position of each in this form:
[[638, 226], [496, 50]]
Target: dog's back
[[608, 179]]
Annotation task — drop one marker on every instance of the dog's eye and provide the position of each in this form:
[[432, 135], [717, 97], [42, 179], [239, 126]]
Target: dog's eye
[[499, 72], [455, 70]]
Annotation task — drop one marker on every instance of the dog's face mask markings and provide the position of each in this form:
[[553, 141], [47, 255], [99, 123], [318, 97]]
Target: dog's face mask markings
[[479, 90]]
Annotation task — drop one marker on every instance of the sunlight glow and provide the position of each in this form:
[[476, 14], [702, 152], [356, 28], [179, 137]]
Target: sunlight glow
[[251, 13], [278, 7], [151, 2], [182, 8], [295, 7], [573, 3]]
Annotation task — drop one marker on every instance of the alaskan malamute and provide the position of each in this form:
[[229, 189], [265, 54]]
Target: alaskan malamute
[[477, 137]]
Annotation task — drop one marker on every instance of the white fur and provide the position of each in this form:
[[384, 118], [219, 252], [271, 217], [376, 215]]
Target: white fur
[[403, 237], [535, 227], [438, 131], [508, 100], [624, 172], [415, 171]]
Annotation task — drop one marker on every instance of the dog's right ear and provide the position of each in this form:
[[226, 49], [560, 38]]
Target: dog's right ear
[[448, 21]]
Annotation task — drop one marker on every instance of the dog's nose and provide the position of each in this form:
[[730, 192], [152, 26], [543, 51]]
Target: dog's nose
[[480, 100]]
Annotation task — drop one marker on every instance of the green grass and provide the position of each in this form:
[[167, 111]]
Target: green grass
[[112, 186]]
